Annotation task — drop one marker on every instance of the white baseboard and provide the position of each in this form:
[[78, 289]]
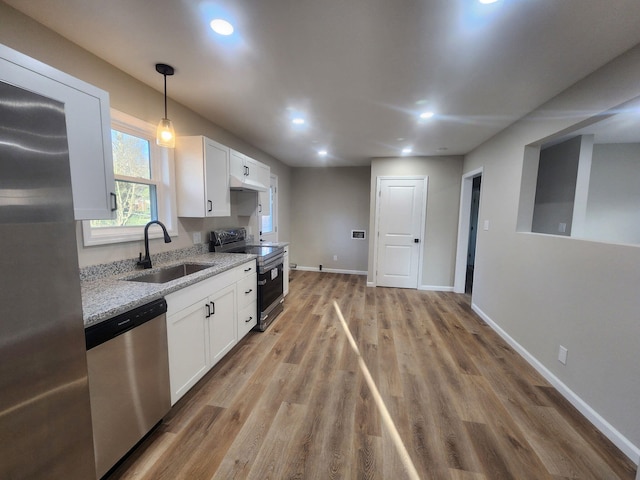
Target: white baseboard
[[330, 270], [435, 288], [628, 448]]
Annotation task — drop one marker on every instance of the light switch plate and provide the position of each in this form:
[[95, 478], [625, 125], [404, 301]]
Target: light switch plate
[[562, 355], [486, 225], [197, 238]]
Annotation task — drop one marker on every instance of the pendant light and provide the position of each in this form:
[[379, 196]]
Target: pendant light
[[165, 135]]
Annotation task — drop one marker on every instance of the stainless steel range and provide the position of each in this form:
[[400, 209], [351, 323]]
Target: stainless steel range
[[270, 262]]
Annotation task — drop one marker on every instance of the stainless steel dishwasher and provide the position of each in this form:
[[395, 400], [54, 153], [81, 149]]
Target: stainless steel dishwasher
[[129, 389]]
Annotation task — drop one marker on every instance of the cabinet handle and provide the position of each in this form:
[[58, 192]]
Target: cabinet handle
[[248, 269], [248, 291], [115, 202], [259, 208], [248, 320], [208, 311], [210, 203], [213, 308]]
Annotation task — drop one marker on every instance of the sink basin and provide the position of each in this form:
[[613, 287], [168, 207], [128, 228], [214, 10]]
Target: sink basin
[[170, 273]]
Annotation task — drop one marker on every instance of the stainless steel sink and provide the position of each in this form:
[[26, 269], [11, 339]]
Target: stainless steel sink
[[170, 273]]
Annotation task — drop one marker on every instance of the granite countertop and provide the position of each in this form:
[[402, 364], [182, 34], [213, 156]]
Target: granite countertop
[[274, 244], [104, 296]]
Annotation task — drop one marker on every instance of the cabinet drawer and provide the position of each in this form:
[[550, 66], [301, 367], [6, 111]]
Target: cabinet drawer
[[247, 290], [247, 319], [247, 269]]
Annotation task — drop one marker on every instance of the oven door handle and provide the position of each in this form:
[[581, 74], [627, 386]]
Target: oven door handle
[[262, 283], [273, 263]]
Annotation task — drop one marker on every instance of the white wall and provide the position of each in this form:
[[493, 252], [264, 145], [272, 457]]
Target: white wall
[[613, 205], [326, 204], [130, 96], [545, 291], [443, 200]]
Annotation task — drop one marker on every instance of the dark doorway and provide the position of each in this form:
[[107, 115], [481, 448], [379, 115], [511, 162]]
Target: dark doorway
[[473, 233]]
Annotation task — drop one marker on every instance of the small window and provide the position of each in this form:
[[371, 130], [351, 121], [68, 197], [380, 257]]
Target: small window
[[142, 184], [269, 223]]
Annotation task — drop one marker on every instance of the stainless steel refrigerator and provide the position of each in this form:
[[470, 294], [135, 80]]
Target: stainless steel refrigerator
[[45, 416]]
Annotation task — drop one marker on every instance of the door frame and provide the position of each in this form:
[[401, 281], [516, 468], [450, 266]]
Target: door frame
[[423, 233], [463, 228]]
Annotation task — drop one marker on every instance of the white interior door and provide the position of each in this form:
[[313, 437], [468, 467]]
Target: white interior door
[[401, 208]]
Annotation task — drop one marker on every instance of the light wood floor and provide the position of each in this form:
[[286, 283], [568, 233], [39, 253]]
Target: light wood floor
[[293, 403]]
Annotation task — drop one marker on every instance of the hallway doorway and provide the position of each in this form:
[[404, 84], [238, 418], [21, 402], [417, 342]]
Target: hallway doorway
[[470, 195]]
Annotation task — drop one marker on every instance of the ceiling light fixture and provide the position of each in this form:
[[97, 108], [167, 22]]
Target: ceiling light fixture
[[426, 115], [487, 2], [221, 27], [407, 150], [322, 153], [165, 134], [298, 121]]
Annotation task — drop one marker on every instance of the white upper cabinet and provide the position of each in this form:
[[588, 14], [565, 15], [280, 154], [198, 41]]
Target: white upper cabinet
[[264, 177], [88, 129], [247, 173], [202, 178]]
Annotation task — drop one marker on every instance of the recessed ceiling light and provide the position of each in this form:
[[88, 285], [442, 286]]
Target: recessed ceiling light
[[407, 150], [298, 121], [487, 2], [221, 27], [426, 115], [322, 153]]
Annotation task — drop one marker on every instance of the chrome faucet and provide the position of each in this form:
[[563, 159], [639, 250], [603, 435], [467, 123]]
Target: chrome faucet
[[146, 261]]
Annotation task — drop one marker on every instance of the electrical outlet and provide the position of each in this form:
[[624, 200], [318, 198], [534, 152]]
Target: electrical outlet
[[335, 258], [562, 355], [486, 225], [562, 227], [197, 238]]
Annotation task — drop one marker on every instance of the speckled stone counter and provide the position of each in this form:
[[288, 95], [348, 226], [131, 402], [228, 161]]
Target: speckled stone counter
[[104, 295]]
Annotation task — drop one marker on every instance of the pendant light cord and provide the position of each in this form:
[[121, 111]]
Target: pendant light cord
[[165, 95]]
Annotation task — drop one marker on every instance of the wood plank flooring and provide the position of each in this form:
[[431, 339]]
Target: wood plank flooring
[[292, 403]]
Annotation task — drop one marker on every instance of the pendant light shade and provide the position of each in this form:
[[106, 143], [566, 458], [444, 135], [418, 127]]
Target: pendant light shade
[[165, 134]]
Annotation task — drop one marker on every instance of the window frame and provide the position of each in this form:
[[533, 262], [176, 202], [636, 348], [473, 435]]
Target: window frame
[[162, 177]]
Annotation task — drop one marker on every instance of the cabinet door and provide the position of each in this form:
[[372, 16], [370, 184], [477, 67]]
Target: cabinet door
[[237, 167], [88, 129], [187, 340], [222, 323], [264, 198], [217, 196]]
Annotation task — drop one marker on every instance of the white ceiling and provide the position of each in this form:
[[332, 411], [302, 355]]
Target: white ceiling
[[359, 70]]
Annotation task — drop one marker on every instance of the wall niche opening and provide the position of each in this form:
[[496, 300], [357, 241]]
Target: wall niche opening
[[585, 182]]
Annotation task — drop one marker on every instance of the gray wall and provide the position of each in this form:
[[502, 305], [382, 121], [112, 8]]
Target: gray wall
[[326, 204], [556, 187], [443, 200], [134, 98], [545, 291], [613, 206]]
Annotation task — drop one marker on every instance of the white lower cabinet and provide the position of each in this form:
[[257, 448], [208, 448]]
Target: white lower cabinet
[[247, 303], [204, 321], [222, 323]]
